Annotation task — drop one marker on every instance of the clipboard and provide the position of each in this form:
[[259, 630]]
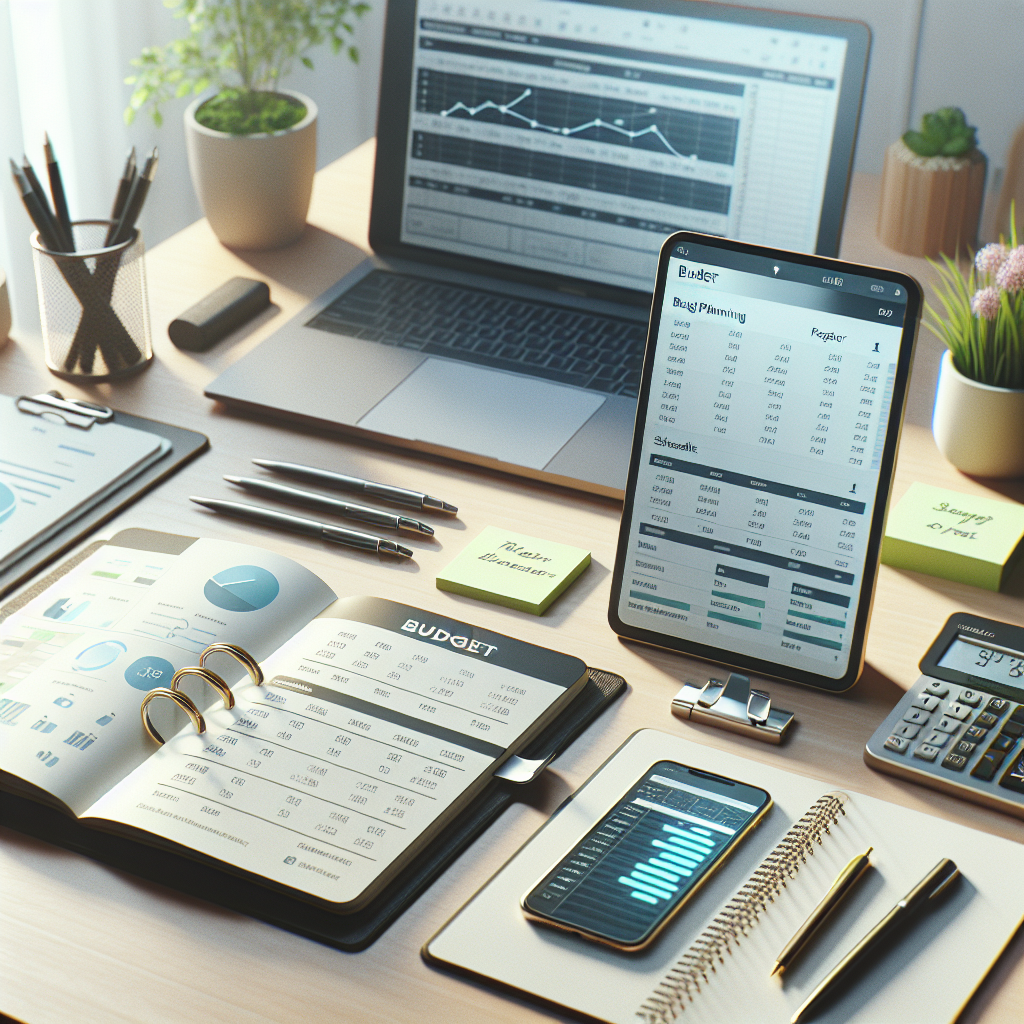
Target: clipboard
[[185, 445]]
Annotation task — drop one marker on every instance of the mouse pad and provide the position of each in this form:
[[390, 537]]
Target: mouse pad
[[504, 416]]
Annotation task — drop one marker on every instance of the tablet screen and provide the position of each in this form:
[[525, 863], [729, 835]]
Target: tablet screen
[[773, 390]]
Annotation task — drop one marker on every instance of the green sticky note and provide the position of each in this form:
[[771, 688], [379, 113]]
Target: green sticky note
[[961, 537], [512, 569]]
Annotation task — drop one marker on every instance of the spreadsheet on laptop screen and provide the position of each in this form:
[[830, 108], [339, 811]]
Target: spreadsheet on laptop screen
[[573, 137]]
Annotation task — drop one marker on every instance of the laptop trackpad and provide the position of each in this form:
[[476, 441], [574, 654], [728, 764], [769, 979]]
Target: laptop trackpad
[[504, 416]]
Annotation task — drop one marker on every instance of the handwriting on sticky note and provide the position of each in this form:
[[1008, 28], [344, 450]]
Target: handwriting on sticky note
[[520, 552]]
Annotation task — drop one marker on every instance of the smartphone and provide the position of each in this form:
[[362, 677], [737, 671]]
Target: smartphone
[[624, 881]]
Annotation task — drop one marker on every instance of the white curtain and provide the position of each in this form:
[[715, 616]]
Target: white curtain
[[62, 70]]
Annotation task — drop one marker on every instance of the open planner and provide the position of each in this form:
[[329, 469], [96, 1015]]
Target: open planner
[[712, 963], [375, 726]]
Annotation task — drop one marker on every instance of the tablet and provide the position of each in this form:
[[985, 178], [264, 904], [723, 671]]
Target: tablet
[[770, 407]]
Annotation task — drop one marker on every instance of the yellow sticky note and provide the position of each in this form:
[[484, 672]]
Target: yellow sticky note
[[512, 569], [964, 537]]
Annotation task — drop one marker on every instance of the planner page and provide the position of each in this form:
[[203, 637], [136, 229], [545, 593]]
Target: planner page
[[77, 660], [377, 723]]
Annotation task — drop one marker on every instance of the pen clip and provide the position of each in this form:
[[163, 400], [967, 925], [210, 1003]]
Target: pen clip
[[73, 412]]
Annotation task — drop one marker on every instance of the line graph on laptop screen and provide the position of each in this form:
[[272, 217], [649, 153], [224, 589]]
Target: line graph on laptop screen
[[573, 137]]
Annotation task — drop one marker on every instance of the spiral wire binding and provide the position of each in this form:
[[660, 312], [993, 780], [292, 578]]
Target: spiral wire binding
[[741, 913]]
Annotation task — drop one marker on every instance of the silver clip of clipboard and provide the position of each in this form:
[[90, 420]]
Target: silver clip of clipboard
[[55, 407], [735, 706]]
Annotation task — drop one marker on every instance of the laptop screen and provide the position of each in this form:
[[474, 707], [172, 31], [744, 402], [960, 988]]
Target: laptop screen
[[571, 137]]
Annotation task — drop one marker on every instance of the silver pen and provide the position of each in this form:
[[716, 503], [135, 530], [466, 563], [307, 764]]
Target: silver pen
[[340, 482], [345, 509], [309, 527]]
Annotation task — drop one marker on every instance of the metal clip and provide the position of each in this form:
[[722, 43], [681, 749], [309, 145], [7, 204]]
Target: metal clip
[[520, 770], [73, 411], [733, 705]]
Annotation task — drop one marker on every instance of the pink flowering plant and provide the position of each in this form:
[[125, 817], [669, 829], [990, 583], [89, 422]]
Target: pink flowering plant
[[984, 323]]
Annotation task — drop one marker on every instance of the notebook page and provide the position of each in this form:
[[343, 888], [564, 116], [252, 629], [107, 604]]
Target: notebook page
[[490, 936]]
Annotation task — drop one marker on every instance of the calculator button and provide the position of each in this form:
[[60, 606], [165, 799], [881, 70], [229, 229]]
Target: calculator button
[[958, 711], [926, 702], [937, 687], [908, 730], [897, 743], [1014, 777], [926, 752], [1003, 743], [916, 716], [970, 697], [1012, 728], [1018, 715], [965, 747], [955, 762], [988, 765], [986, 720], [937, 739], [949, 725], [974, 734], [997, 705]]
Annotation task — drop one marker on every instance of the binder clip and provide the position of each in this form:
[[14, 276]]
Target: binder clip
[[73, 411], [733, 705]]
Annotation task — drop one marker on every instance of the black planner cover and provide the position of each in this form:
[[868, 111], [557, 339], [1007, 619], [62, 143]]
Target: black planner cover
[[185, 445], [350, 932]]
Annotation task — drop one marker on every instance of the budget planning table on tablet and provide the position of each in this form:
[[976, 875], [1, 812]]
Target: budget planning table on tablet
[[770, 406]]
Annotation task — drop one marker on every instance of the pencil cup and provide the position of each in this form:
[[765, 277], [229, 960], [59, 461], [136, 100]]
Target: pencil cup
[[93, 305]]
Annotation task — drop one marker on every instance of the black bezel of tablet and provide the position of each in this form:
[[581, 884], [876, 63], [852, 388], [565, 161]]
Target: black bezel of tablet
[[393, 128], [885, 474]]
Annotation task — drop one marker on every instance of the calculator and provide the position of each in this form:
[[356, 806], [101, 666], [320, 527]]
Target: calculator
[[959, 727]]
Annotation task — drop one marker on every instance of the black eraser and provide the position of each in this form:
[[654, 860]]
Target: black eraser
[[221, 312]]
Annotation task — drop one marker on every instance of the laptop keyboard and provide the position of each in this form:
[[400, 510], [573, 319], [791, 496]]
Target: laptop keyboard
[[540, 339]]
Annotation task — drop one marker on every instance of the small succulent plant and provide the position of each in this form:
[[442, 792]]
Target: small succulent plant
[[943, 133]]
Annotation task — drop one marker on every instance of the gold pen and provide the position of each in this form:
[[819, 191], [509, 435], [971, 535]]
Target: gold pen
[[921, 896], [848, 877]]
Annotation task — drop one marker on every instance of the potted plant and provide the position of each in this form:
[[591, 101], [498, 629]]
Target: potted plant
[[933, 183], [978, 420], [251, 144]]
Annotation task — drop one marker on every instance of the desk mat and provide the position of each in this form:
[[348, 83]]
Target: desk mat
[[349, 932], [185, 446]]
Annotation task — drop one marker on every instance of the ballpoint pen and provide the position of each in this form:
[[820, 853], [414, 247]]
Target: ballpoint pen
[[53, 229], [136, 197], [385, 492], [345, 509], [60, 203], [309, 527], [123, 188], [921, 896], [848, 877]]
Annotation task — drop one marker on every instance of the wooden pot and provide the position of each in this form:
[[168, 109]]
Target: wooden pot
[[930, 205]]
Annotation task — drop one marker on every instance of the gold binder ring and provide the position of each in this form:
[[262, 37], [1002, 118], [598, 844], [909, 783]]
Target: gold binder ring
[[181, 699], [207, 676], [243, 657]]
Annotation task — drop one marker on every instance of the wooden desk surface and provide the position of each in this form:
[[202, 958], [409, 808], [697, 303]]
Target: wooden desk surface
[[79, 941]]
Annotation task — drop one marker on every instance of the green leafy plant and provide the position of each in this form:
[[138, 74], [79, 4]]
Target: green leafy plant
[[243, 48], [943, 133], [983, 326]]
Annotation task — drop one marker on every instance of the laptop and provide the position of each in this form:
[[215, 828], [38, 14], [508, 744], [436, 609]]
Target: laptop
[[532, 156]]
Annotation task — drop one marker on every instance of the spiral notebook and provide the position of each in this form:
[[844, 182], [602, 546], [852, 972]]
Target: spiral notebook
[[745, 914]]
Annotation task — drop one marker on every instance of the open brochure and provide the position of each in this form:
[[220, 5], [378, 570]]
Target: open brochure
[[377, 723]]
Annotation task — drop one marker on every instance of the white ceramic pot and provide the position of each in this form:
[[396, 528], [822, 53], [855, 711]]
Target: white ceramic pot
[[979, 428], [254, 189]]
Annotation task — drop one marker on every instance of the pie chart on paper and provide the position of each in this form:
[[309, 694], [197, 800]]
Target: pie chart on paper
[[7, 502], [243, 588]]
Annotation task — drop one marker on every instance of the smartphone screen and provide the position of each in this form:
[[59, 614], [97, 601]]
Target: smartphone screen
[[637, 866]]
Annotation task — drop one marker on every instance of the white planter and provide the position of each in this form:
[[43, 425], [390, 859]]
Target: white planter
[[979, 428], [254, 189]]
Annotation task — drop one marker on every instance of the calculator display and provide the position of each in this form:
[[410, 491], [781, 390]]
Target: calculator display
[[998, 664]]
